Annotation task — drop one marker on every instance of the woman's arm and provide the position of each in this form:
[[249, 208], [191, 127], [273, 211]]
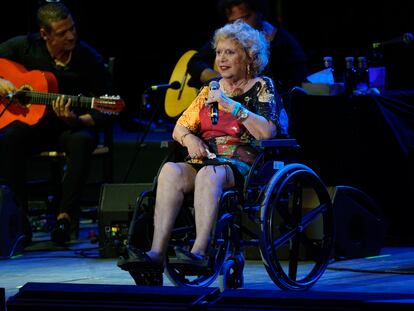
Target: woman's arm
[[258, 126], [194, 144]]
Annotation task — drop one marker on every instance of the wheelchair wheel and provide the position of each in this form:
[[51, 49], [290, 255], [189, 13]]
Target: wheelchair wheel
[[181, 275], [231, 275], [296, 225]]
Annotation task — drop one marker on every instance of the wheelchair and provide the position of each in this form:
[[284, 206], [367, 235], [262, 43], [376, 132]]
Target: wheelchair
[[284, 209]]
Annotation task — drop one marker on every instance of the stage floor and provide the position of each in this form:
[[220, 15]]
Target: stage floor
[[80, 263], [389, 273]]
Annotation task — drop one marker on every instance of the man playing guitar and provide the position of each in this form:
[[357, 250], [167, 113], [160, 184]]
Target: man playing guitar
[[60, 62]]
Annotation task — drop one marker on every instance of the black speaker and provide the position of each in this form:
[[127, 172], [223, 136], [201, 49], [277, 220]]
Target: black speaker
[[63, 296], [256, 299], [105, 297], [12, 222], [359, 223], [116, 206]]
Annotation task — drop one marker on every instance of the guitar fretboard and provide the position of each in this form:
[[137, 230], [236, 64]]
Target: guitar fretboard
[[47, 98]]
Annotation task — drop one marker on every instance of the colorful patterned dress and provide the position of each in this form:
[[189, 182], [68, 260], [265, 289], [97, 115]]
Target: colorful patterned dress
[[229, 139]]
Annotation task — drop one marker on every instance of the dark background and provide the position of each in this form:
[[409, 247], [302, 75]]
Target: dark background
[[148, 37]]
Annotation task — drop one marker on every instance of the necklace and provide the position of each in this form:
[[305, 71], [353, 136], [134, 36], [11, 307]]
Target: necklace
[[235, 89]]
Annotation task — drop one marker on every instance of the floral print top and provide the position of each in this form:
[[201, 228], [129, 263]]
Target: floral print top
[[229, 139]]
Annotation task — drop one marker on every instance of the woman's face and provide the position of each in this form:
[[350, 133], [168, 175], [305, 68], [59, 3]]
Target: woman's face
[[231, 60]]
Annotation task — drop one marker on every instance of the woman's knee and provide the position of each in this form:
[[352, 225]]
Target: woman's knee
[[169, 171], [176, 176], [209, 176], [215, 176], [170, 174]]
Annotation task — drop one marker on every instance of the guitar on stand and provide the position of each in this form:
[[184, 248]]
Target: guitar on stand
[[36, 90], [177, 100]]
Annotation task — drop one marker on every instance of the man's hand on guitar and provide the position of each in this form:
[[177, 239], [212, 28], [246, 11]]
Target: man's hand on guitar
[[6, 88], [7, 91], [62, 108]]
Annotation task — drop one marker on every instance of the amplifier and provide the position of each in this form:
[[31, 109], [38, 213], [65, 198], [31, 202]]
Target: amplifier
[[12, 225], [116, 207]]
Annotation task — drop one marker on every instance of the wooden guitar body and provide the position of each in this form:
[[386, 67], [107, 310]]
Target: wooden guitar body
[[36, 89], [176, 101], [23, 79]]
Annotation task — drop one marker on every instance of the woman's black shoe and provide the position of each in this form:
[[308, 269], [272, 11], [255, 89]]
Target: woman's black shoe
[[143, 269], [185, 257], [137, 260], [61, 232]]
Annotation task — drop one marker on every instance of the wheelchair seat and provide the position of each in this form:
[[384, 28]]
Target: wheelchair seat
[[282, 198]]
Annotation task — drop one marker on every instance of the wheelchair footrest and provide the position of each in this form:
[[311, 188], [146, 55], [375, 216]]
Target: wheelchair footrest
[[189, 268], [147, 278], [136, 260], [131, 265]]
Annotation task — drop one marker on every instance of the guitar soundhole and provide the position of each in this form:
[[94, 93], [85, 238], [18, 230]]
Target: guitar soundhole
[[22, 96]]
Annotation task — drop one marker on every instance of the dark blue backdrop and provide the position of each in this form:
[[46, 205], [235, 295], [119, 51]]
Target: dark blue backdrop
[[148, 37]]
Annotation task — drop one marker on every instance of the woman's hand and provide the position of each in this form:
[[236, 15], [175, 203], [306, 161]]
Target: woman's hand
[[222, 99], [196, 147]]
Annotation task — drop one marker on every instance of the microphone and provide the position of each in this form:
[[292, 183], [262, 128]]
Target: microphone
[[405, 38], [174, 85], [214, 85]]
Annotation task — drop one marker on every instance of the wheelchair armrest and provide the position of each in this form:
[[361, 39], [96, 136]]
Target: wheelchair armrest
[[278, 142]]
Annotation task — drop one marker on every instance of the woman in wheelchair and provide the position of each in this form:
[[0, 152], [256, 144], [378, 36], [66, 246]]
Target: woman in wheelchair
[[220, 143]]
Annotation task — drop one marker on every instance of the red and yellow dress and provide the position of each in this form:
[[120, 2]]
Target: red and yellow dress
[[229, 139]]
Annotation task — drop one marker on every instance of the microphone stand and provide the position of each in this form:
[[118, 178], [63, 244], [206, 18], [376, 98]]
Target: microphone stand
[[140, 141], [6, 106]]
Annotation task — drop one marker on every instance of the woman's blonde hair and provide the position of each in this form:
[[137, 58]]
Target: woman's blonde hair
[[252, 41]]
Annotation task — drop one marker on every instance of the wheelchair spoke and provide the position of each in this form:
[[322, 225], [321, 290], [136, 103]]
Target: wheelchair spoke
[[313, 214], [294, 202], [284, 238], [294, 258]]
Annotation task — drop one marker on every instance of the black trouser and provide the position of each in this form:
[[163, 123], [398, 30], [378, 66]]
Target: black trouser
[[18, 141]]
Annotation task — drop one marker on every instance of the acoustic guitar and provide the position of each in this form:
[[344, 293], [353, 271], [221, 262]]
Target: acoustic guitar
[[176, 101], [36, 90]]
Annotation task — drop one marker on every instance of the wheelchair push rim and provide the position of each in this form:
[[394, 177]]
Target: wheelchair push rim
[[285, 226]]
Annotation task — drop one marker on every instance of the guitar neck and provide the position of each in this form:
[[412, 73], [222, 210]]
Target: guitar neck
[[47, 98]]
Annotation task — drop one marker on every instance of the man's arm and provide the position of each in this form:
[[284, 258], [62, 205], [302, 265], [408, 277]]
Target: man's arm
[[200, 66]]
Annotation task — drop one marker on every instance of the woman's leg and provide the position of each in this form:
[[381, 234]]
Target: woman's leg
[[174, 180], [209, 185]]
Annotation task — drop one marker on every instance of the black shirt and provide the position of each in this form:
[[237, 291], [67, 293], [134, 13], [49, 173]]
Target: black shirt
[[84, 75]]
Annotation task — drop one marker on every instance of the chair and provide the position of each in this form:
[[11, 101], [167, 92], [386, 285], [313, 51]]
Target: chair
[[46, 174], [285, 200], [103, 151], [56, 159]]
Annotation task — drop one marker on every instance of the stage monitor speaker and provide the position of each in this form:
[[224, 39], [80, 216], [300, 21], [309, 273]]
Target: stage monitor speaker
[[104, 297], [267, 299], [12, 220], [359, 223], [116, 207]]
